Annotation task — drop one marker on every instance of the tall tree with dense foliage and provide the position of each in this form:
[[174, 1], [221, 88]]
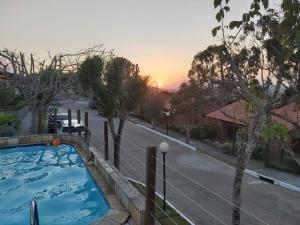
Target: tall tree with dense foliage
[[258, 57], [187, 102], [153, 106], [262, 57], [117, 86]]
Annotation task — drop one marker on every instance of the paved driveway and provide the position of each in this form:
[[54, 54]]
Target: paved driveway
[[203, 183]]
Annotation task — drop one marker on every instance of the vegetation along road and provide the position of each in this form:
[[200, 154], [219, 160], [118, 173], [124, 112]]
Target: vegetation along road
[[197, 184]]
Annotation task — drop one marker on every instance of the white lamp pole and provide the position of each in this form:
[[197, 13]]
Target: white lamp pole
[[164, 148], [167, 115]]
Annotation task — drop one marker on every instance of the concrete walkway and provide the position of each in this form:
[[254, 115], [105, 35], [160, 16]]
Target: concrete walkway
[[217, 152]]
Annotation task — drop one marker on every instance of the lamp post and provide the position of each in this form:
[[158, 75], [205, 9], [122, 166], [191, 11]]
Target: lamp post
[[167, 116], [164, 148]]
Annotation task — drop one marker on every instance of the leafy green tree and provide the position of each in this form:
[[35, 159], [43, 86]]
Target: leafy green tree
[[259, 55], [117, 87], [153, 106], [7, 95], [187, 102]]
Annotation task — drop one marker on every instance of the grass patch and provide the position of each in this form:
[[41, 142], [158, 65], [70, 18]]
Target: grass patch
[[9, 118], [16, 105], [159, 214]]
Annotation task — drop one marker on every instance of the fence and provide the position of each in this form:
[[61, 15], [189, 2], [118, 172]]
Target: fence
[[197, 203]]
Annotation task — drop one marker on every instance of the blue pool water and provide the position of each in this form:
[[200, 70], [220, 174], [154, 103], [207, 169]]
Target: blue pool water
[[57, 178]]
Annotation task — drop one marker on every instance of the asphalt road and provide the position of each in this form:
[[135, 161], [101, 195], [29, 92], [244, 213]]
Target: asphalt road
[[202, 185]]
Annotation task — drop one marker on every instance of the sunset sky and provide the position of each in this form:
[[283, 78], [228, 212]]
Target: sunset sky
[[162, 36]]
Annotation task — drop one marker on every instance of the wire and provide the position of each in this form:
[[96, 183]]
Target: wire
[[197, 204], [134, 170], [163, 212], [144, 192], [202, 186]]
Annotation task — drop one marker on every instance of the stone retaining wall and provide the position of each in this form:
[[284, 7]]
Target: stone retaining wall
[[129, 196], [42, 139]]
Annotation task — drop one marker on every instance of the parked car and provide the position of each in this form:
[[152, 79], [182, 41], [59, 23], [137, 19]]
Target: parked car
[[51, 119], [63, 126]]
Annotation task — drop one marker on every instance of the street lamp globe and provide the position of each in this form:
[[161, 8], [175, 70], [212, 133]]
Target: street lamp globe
[[168, 113], [164, 147]]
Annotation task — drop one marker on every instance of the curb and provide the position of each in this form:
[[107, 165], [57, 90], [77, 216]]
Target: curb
[[261, 176], [170, 204], [168, 137], [272, 181], [247, 171]]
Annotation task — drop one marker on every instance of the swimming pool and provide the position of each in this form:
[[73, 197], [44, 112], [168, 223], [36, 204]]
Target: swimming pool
[[57, 178]]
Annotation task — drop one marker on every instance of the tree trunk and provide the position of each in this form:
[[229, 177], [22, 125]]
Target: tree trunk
[[266, 155], [233, 147], [246, 141], [39, 120], [33, 128], [153, 124], [116, 138], [41, 125], [188, 135], [117, 152], [237, 186], [267, 150]]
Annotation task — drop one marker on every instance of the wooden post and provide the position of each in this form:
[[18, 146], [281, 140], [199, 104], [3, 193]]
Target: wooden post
[[150, 185], [86, 119], [78, 121], [78, 116], [106, 140], [69, 121], [55, 120]]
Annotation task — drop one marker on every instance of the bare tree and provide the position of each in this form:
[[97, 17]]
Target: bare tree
[[41, 80]]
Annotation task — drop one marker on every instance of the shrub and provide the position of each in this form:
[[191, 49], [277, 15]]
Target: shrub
[[6, 96], [9, 101], [290, 166], [227, 147], [177, 129], [258, 152], [204, 132], [6, 118], [16, 104]]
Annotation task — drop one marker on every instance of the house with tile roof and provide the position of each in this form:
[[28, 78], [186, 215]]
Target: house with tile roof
[[234, 115]]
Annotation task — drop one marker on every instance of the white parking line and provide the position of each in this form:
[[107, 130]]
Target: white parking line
[[168, 137]]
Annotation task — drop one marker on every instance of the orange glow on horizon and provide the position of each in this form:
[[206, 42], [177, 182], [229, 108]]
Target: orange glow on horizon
[[163, 70]]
